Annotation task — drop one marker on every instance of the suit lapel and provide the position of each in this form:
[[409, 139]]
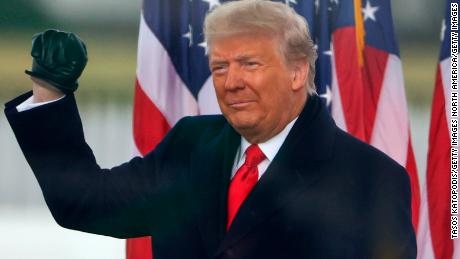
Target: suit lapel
[[214, 162], [293, 169]]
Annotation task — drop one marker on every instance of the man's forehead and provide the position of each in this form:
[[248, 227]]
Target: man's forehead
[[238, 55], [241, 47]]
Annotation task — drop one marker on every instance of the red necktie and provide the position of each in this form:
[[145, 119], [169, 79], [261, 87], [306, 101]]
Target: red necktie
[[243, 181]]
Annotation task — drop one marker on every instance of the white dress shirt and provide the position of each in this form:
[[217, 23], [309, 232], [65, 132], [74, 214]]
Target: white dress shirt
[[270, 148], [29, 104]]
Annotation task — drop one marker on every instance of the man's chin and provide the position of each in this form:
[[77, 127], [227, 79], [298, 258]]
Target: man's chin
[[243, 125], [242, 120]]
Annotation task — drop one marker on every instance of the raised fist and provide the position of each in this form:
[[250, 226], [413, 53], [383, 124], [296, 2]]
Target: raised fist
[[58, 58]]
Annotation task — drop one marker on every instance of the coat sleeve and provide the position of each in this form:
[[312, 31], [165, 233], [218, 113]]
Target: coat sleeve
[[126, 201], [392, 234]]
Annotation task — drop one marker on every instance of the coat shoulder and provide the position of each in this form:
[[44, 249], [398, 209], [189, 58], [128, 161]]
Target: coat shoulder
[[205, 120], [198, 129], [360, 155], [198, 125]]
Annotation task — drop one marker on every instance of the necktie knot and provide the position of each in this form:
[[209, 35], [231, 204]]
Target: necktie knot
[[254, 156]]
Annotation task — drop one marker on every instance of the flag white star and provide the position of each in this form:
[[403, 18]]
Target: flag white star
[[189, 36], [212, 3], [335, 1], [443, 29], [288, 2], [317, 6], [369, 11], [327, 95], [204, 45]]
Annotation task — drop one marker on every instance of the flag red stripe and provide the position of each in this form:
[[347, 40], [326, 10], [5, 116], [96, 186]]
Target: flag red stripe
[[349, 79], [373, 74], [149, 124], [411, 168], [438, 171]]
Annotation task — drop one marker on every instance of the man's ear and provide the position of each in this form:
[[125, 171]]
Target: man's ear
[[299, 75]]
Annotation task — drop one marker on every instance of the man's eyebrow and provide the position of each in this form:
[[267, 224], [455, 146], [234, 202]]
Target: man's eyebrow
[[217, 61], [244, 57], [239, 58]]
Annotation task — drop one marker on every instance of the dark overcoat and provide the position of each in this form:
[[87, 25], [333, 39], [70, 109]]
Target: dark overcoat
[[325, 194]]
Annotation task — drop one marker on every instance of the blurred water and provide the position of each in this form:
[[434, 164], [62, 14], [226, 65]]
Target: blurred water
[[27, 228]]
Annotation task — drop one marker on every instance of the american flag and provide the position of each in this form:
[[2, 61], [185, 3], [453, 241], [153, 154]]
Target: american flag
[[359, 75], [433, 237]]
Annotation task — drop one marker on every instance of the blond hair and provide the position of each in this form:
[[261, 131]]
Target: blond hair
[[256, 16]]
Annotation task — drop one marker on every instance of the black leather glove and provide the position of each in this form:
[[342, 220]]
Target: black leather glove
[[58, 58]]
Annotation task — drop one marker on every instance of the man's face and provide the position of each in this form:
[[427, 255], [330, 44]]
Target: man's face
[[255, 89]]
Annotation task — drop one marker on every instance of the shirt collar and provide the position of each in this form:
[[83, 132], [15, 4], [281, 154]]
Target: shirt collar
[[270, 147]]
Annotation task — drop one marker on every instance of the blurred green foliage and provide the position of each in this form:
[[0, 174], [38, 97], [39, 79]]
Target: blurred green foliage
[[23, 14], [420, 62]]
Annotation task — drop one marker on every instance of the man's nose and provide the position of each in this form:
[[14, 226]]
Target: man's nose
[[234, 79]]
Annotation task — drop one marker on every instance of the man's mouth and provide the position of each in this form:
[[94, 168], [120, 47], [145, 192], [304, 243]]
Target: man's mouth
[[239, 104]]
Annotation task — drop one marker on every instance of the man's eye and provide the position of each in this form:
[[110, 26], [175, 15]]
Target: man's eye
[[251, 64], [218, 69]]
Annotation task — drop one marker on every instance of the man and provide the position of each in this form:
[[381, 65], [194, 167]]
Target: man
[[271, 178]]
